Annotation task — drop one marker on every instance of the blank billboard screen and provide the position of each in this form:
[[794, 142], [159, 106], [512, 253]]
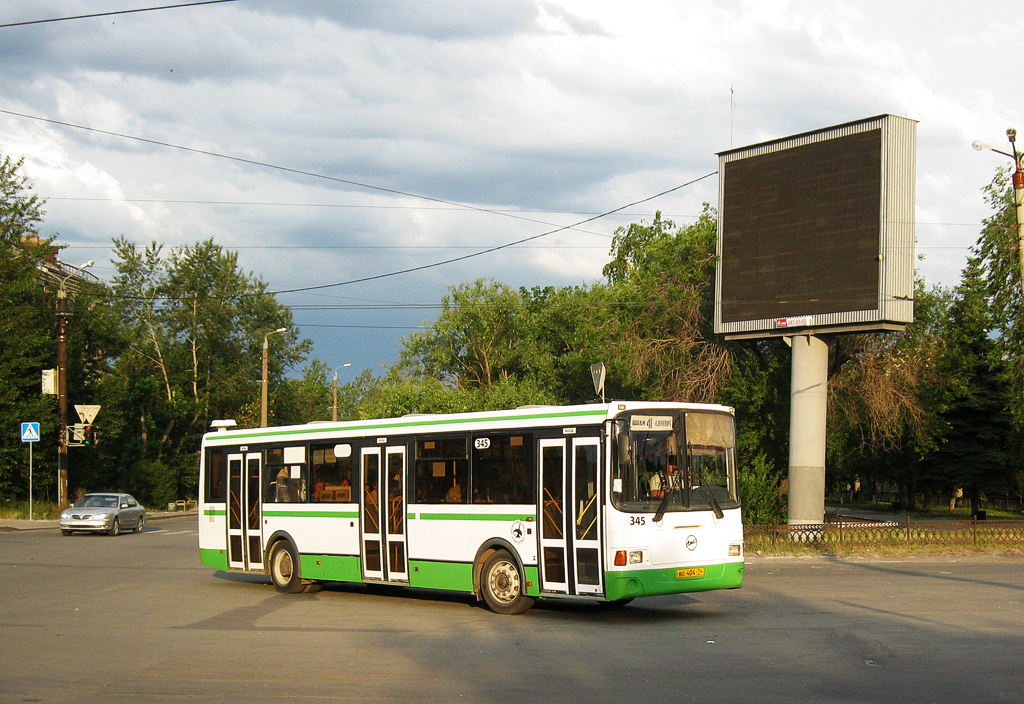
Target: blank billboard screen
[[800, 232]]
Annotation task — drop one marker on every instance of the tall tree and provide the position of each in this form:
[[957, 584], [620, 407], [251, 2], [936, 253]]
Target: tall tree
[[664, 283], [196, 322], [26, 329]]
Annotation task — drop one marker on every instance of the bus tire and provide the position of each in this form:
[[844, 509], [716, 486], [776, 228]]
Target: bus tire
[[503, 586], [284, 568]]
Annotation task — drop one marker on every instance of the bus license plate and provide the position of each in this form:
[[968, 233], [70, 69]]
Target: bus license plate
[[690, 572]]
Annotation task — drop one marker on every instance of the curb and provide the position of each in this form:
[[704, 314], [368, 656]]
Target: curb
[[8, 525]]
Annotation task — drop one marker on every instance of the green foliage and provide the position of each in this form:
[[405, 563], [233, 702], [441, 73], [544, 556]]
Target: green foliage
[[27, 341], [305, 399], [194, 324], [763, 502]]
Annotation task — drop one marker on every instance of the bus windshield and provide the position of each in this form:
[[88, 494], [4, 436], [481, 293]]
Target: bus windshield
[[674, 461]]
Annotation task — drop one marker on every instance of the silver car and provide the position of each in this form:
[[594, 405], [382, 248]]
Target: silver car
[[105, 513]]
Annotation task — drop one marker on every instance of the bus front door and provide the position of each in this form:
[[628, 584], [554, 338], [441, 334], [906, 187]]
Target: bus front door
[[570, 510], [384, 554], [245, 538]]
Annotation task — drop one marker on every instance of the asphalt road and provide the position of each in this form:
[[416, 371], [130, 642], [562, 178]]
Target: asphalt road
[[136, 618]]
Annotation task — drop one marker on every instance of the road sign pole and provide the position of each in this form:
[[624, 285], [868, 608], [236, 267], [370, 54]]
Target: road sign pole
[[30, 481]]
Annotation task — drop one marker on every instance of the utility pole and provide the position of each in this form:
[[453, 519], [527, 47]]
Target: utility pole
[[62, 385], [334, 390], [263, 398]]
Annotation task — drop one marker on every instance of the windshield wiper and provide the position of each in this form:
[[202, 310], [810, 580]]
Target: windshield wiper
[[709, 495], [662, 507]]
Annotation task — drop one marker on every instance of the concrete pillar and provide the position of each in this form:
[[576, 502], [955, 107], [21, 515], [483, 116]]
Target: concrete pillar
[[808, 408]]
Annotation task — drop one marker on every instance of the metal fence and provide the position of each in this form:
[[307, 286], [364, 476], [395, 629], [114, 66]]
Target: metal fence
[[897, 533]]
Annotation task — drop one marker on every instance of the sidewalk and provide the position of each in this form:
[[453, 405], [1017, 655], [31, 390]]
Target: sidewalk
[[8, 524]]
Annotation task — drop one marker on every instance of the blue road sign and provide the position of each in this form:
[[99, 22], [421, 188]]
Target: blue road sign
[[30, 432]]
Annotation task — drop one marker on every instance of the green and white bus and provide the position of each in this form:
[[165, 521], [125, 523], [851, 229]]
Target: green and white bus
[[605, 502]]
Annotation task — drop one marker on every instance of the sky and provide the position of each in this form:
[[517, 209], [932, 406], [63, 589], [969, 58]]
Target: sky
[[329, 141]]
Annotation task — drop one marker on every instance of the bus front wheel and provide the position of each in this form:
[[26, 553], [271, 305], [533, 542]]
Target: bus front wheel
[[284, 568], [503, 586]]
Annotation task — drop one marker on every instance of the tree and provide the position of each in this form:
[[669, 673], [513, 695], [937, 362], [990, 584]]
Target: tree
[[26, 330], [196, 324], [999, 274], [664, 286]]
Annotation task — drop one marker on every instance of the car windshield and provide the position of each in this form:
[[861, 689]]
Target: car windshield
[[674, 461], [97, 501]]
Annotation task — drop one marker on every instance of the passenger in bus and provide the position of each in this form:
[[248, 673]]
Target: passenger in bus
[[281, 493], [454, 495]]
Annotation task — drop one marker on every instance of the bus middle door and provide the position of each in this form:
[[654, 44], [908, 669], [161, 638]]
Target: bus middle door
[[570, 511], [383, 514]]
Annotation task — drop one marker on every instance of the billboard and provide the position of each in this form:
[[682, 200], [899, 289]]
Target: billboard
[[816, 232]]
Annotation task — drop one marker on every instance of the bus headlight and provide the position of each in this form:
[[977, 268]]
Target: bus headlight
[[735, 549], [628, 557]]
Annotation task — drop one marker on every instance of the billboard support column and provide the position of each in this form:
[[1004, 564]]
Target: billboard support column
[[807, 415]]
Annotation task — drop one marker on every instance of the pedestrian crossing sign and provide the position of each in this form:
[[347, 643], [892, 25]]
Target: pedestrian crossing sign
[[30, 432]]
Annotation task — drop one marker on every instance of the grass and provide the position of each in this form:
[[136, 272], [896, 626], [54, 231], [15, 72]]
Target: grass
[[931, 513], [41, 510]]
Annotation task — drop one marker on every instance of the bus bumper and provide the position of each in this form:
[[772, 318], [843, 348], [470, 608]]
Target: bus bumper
[[635, 583]]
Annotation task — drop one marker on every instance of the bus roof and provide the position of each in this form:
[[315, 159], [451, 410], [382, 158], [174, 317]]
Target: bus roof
[[524, 416]]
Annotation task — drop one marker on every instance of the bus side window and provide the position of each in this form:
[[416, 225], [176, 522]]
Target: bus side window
[[216, 477], [332, 476], [442, 471], [284, 483], [503, 469]]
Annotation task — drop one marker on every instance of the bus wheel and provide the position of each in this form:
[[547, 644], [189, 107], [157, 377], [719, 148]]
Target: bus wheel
[[503, 586], [284, 568]]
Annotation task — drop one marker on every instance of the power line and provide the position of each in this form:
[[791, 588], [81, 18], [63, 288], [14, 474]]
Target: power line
[[286, 169], [114, 12], [383, 189], [496, 248]]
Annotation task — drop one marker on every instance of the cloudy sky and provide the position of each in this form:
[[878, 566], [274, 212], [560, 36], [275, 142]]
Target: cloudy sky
[[328, 141]]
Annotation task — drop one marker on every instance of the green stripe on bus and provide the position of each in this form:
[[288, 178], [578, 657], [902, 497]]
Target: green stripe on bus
[[311, 514], [214, 512], [332, 568], [454, 576], [472, 517], [633, 583], [217, 559], [406, 423]]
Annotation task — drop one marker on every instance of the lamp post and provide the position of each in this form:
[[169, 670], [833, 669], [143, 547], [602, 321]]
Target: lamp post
[[334, 390], [62, 384], [263, 400], [1018, 191]]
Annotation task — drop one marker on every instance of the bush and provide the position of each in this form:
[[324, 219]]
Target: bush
[[759, 491]]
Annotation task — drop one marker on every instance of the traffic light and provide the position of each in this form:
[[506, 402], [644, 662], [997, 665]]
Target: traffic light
[[97, 434], [87, 435]]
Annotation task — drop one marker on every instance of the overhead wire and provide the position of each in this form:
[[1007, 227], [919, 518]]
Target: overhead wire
[[113, 12]]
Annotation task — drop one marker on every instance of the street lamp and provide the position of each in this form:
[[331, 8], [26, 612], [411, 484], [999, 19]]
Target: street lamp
[[263, 400], [334, 390], [62, 383], [1018, 191]]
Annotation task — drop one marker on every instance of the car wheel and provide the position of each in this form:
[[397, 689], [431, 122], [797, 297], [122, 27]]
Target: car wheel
[[115, 527], [284, 568], [65, 532], [140, 524], [503, 586]]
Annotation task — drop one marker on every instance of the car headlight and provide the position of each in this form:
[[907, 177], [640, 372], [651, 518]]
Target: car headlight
[[104, 516]]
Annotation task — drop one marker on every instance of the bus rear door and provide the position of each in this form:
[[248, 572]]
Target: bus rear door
[[245, 539]]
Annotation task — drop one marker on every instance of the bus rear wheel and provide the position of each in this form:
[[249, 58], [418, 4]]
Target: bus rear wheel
[[503, 586], [284, 568]]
